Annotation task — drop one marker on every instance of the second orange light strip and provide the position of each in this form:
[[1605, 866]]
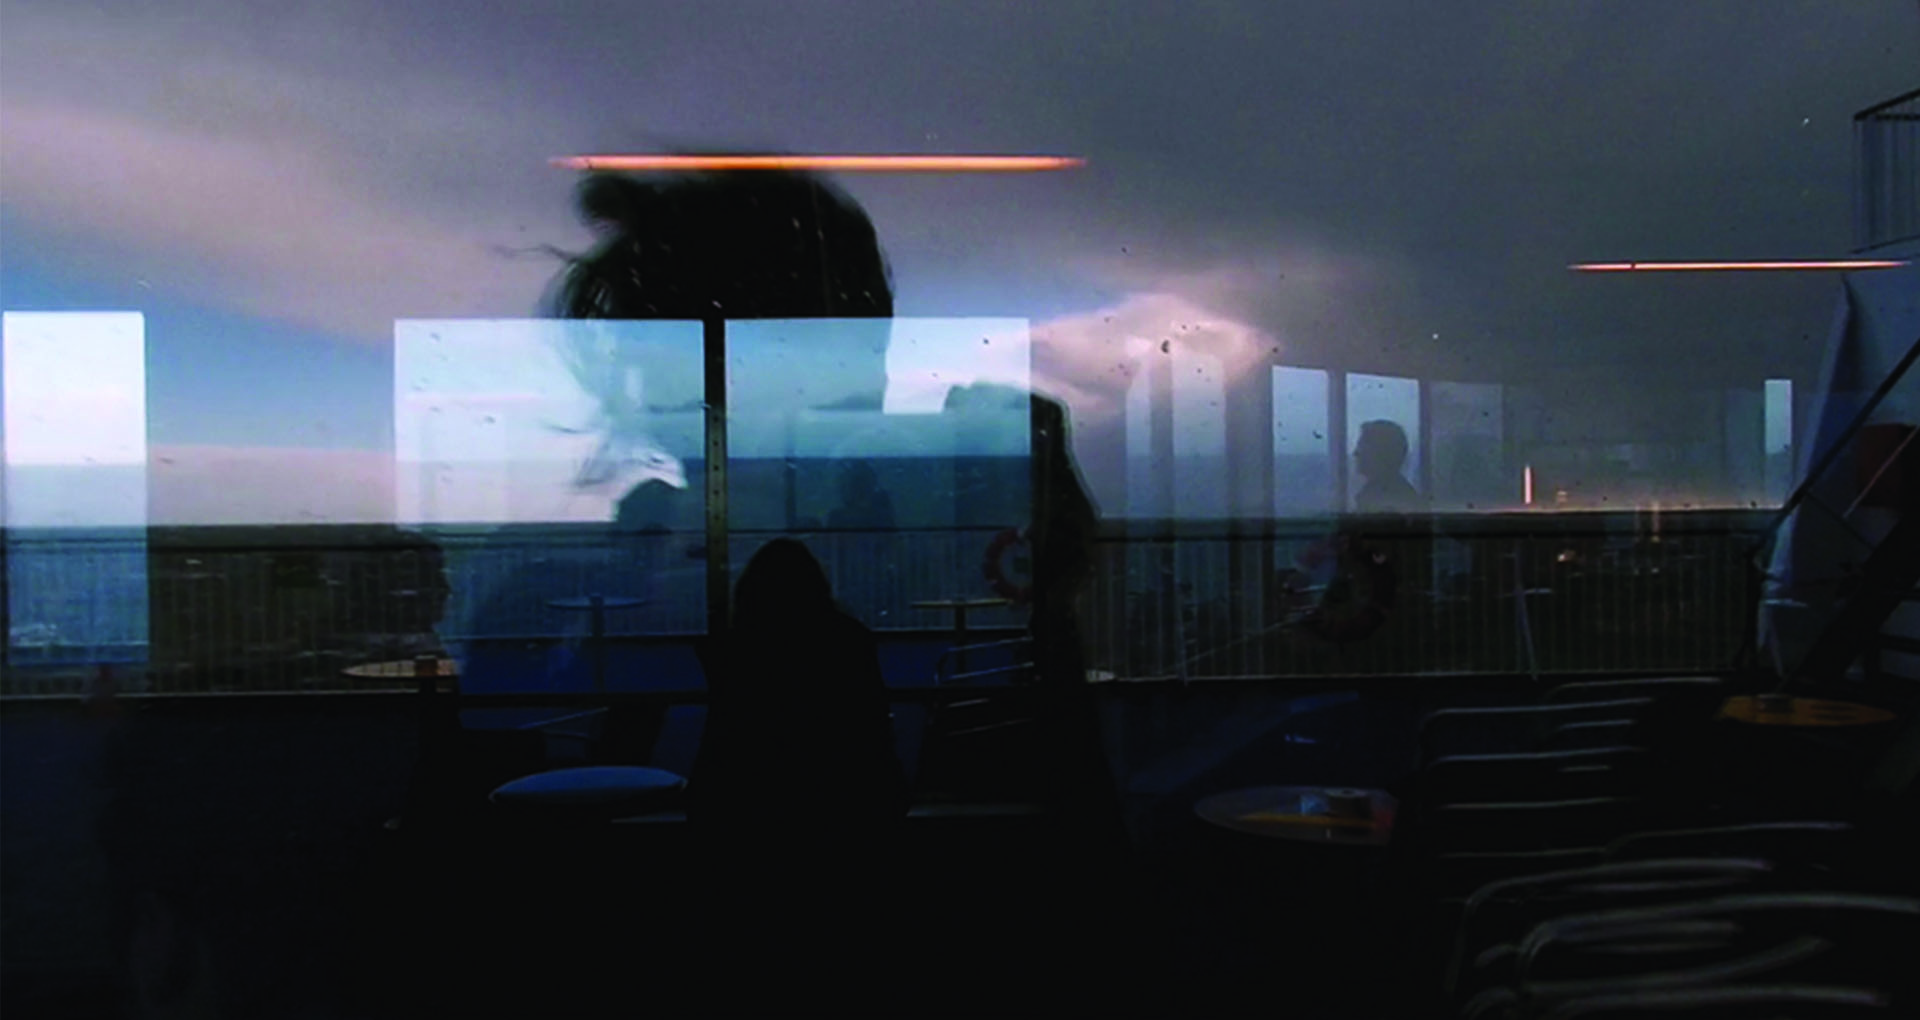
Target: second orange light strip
[[921, 164]]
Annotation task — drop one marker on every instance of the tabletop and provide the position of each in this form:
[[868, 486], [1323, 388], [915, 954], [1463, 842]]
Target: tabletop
[[960, 603], [402, 669], [606, 602], [1314, 814], [1774, 710]]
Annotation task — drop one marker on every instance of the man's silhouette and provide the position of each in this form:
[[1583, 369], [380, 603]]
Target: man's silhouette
[[863, 503], [1379, 456]]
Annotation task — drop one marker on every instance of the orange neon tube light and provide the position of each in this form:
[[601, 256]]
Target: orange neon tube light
[[1671, 267], [920, 164]]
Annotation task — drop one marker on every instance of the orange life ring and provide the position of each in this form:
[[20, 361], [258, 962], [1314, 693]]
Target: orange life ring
[[991, 569]]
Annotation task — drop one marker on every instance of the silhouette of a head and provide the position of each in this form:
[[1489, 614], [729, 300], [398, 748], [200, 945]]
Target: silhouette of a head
[[736, 246], [753, 245], [858, 480], [1381, 450], [782, 584]]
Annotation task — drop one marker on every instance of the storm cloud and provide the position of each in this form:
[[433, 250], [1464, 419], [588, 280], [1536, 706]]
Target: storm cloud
[[1390, 186]]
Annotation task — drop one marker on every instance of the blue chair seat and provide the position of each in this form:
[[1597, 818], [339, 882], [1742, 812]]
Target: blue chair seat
[[600, 786]]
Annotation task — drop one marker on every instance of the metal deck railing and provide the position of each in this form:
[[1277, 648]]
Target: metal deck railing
[[249, 610]]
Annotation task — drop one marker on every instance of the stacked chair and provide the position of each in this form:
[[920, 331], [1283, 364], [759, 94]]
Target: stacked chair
[[1593, 853]]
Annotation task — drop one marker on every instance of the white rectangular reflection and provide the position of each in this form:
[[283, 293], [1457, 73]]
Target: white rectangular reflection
[[1383, 398], [878, 424], [75, 493], [76, 419], [1199, 436], [528, 420], [1143, 487], [1467, 421], [1777, 438], [1302, 467], [533, 420]]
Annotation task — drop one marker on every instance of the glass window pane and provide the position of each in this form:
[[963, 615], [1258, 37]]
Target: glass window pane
[[1389, 407], [1777, 439], [897, 480], [513, 436], [1199, 436], [75, 491], [1469, 457], [1303, 476], [1744, 468], [1146, 486]]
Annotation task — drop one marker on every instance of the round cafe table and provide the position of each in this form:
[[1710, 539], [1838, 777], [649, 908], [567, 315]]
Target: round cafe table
[[1779, 710], [1312, 814], [598, 605], [429, 672]]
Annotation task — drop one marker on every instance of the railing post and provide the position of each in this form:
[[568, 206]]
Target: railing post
[[719, 578]]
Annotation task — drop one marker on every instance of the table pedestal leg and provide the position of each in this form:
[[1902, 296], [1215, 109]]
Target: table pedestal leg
[[599, 639], [960, 639]]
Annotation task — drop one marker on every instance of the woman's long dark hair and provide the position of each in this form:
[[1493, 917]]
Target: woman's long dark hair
[[783, 587], [749, 245]]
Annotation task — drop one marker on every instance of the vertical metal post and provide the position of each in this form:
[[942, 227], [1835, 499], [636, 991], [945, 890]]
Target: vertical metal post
[[597, 606], [1424, 441], [719, 577], [1337, 436], [1250, 428], [1160, 464]]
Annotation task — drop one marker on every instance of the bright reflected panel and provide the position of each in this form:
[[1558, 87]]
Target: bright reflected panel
[[1777, 438], [75, 503], [1199, 436], [1143, 485], [540, 420], [1468, 423], [878, 424], [512, 426], [1743, 481], [1302, 465], [1383, 398], [895, 449]]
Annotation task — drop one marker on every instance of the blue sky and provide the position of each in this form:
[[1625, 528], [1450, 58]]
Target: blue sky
[[1391, 187], [215, 376]]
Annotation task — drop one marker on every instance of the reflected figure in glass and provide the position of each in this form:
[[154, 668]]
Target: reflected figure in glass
[[1380, 456]]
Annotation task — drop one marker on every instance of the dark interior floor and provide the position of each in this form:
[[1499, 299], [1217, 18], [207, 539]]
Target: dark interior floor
[[267, 823]]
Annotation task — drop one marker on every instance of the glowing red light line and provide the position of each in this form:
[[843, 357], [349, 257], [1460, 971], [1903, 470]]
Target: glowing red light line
[[1673, 267], [921, 164]]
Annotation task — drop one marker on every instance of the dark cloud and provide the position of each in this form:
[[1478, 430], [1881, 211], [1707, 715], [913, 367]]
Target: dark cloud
[[1353, 178]]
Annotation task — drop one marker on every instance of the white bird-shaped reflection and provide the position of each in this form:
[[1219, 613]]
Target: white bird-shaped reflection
[[628, 453]]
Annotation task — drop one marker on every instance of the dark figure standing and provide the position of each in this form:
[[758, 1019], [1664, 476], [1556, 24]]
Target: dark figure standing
[[796, 786]]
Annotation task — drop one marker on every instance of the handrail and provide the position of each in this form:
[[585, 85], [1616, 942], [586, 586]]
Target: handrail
[[1881, 107], [1759, 570], [1818, 471]]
